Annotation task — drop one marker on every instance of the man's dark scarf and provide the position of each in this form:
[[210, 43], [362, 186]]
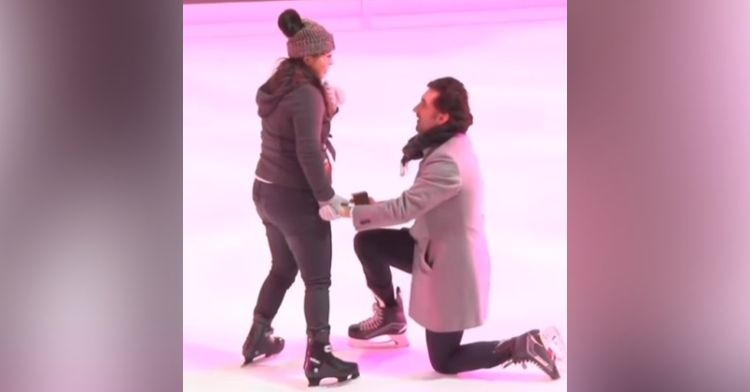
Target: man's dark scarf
[[415, 147]]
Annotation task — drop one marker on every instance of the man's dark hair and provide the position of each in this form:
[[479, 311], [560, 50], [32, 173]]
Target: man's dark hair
[[453, 100]]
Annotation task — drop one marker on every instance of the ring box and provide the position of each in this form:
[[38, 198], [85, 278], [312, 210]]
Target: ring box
[[360, 198]]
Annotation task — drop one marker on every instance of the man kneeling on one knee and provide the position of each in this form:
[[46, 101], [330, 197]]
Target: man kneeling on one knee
[[445, 250]]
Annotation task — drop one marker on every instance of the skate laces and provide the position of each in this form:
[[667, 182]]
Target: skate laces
[[497, 346], [373, 321], [532, 342], [270, 337]]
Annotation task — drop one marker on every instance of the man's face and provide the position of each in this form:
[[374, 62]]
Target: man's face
[[428, 117]]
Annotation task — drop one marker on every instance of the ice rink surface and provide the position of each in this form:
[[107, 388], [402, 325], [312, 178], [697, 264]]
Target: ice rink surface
[[516, 76]]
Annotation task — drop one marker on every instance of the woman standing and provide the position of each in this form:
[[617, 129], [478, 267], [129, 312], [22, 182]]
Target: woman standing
[[293, 182]]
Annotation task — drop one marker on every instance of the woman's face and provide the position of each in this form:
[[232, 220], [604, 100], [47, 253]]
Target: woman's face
[[320, 64]]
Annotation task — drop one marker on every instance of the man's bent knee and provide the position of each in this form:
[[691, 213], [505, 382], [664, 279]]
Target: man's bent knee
[[442, 367], [361, 240]]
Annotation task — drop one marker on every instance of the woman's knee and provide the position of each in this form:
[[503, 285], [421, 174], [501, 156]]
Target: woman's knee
[[318, 284], [317, 281], [283, 278]]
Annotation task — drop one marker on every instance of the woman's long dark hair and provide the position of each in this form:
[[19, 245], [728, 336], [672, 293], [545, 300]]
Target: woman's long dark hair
[[294, 71]]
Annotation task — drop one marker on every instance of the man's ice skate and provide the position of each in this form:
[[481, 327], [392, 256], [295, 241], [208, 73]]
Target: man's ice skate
[[261, 342], [320, 363], [533, 347], [554, 342], [385, 329]]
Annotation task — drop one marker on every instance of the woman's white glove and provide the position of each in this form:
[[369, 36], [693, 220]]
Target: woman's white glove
[[335, 208]]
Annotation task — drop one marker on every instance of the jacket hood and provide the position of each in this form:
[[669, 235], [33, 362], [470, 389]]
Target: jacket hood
[[268, 100]]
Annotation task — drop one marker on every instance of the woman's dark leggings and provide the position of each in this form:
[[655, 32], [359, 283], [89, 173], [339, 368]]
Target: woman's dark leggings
[[299, 241]]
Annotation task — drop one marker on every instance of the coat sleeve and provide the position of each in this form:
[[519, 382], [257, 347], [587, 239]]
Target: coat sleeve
[[437, 181], [307, 117]]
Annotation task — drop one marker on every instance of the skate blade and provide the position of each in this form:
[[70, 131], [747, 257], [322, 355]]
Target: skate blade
[[553, 341], [396, 341], [259, 358], [340, 381]]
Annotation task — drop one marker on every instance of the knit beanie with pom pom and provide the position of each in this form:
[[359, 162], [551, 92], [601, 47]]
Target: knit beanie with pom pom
[[304, 37]]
